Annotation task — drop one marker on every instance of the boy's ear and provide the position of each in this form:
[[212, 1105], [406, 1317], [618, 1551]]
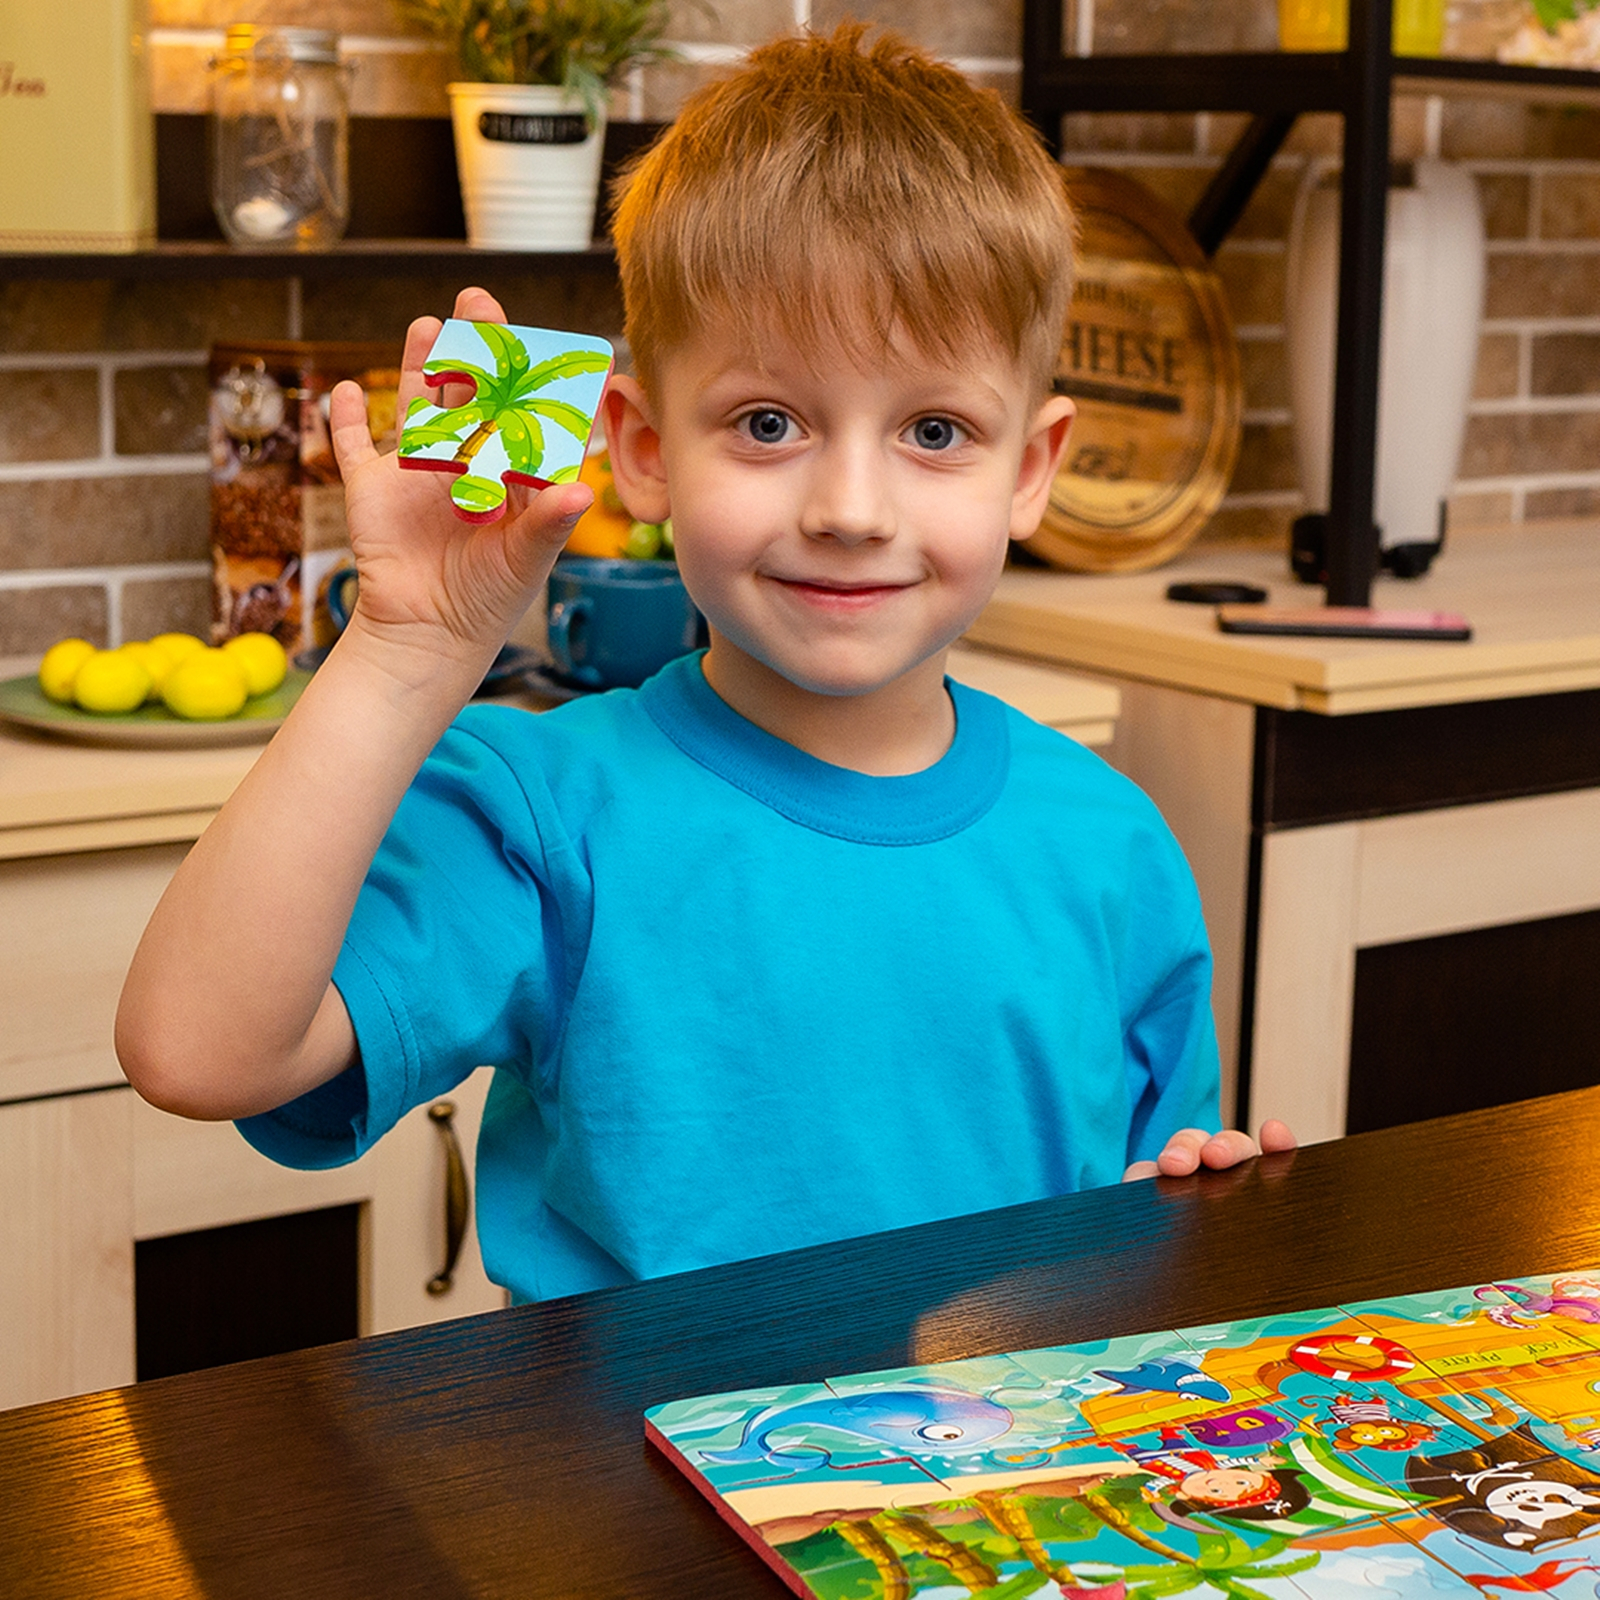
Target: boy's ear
[[1042, 451], [634, 445]]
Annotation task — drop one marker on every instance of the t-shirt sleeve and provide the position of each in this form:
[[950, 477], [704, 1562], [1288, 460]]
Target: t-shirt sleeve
[[1172, 1053], [457, 955], [1171, 1042]]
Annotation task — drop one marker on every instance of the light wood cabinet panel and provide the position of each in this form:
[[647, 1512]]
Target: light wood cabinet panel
[[66, 1246], [87, 1168], [68, 928]]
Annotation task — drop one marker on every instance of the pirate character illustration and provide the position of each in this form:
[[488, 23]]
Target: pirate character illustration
[[1299, 1486]]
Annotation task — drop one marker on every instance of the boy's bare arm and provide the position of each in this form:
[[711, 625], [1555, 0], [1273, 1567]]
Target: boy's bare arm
[[228, 1009], [1189, 1149]]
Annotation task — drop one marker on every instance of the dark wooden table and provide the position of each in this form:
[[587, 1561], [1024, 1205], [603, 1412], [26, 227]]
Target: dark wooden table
[[505, 1455]]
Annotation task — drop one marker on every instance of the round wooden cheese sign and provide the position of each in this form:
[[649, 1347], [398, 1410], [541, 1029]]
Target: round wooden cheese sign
[[1149, 356]]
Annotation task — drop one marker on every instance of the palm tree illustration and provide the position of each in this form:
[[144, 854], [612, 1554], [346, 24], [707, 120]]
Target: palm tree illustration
[[1224, 1562], [506, 402]]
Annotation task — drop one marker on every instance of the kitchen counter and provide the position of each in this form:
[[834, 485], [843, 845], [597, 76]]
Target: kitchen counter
[[1532, 595], [56, 796]]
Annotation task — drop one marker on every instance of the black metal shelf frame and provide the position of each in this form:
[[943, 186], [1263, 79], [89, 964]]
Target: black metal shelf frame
[[1357, 83]]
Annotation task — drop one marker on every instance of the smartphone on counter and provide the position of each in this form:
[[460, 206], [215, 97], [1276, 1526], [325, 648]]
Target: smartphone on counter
[[1343, 622]]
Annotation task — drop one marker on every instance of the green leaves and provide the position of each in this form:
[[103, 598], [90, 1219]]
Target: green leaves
[[559, 412], [477, 495], [420, 435], [500, 433], [523, 439], [1552, 13], [567, 365], [502, 398], [577, 43]]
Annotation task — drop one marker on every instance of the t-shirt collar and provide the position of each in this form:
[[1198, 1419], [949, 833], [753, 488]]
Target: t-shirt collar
[[918, 808]]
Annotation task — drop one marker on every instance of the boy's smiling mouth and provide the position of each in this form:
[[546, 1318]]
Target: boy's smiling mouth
[[840, 595], [841, 588]]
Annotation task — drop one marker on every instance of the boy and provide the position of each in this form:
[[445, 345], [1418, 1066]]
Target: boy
[[798, 941]]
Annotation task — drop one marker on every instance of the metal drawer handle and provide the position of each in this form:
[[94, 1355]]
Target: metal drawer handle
[[442, 1115]]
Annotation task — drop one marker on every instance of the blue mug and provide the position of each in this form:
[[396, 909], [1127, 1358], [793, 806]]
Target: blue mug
[[613, 623]]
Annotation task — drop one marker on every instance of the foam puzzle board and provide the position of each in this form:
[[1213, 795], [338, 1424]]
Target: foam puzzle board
[[535, 394], [1413, 1448]]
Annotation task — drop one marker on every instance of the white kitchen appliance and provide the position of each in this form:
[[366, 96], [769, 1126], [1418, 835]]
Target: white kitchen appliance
[[1432, 312]]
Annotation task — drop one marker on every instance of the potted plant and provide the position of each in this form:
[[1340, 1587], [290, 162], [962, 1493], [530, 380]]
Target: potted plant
[[529, 113]]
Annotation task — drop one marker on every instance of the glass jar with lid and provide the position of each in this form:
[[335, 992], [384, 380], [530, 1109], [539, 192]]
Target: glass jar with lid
[[280, 138]]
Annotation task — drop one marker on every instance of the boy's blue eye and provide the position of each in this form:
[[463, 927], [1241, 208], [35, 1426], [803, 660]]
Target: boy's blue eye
[[767, 427], [934, 433]]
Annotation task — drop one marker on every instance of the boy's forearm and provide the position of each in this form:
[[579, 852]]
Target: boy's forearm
[[228, 1008]]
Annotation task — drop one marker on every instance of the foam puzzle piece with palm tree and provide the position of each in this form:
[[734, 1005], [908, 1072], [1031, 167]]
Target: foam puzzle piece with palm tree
[[535, 395]]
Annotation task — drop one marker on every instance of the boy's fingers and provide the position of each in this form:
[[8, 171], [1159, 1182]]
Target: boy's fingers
[[1276, 1137], [1182, 1153], [1191, 1148], [419, 341], [472, 305], [347, 426], [536, 532], [1228, 1149], [478, 305]]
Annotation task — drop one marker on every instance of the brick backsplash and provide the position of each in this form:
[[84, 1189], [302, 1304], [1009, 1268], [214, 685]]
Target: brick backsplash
[[103, 470]]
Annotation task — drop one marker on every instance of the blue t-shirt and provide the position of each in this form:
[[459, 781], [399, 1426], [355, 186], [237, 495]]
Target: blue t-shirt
[[742, 1000]]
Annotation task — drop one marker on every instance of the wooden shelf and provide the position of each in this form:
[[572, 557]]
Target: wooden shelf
[[203, 258], [1274, 81], [399, 227]]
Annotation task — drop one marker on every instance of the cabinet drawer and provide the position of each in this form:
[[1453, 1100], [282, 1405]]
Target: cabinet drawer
[[68, 929]]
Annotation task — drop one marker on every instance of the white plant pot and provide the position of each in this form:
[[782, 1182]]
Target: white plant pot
[[529, 159], [1433, 282]]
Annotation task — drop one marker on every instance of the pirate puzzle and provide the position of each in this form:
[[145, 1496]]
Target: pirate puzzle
[[1430, 1445]]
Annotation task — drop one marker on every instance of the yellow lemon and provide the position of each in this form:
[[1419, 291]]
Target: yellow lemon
[[111, 681], [60, 667], [175, 646], [262, 659], [206, 686], [156, 662]]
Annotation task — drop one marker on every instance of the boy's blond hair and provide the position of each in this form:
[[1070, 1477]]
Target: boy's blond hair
[[839, 194]]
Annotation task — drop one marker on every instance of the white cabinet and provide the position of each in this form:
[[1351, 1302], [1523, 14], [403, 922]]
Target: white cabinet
[[87, 1168]]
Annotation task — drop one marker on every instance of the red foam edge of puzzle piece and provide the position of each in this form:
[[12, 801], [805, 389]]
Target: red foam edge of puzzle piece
[[791, 1579], [454, 469]]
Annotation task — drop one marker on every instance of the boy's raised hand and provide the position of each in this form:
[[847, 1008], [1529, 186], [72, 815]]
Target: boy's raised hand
[[197, 1030], [1189, 1149], [433, 587]]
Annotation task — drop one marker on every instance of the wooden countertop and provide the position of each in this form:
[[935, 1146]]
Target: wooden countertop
[[56, 796], [1531, 593], [504, 1455]]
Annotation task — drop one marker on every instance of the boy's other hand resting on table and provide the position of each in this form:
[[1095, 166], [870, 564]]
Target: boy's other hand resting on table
[[1189, 1149]]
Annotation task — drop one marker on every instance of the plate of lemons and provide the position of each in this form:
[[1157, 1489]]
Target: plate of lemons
[[172, 690]]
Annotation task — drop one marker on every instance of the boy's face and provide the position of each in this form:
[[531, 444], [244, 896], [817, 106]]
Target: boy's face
[[840, 526]]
